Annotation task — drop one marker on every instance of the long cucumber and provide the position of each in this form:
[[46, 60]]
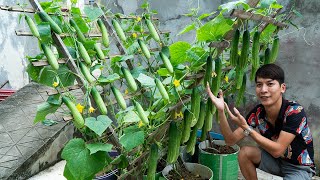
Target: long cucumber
[[78, 31], [99, 101], [132, 85], [141, 112], [51, 58], [244, 50], [99, 52], [32, 26], [255, 50], [104, 33], [83, 53], [86, 72], [166, 62], [77, 117], [162, 89], [187, 118], [119, 30], [234, 48], [275, 49], [208, 73], [152, 162], [195, 106], [173, 143], [119, 97], [144, 49], [152, 30], [54, 26]]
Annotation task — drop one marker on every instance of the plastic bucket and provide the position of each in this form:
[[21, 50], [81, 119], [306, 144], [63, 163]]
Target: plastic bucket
[[194, 168], [223, 166], [112, 175]]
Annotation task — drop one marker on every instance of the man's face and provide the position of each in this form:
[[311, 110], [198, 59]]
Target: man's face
[[269, 91]]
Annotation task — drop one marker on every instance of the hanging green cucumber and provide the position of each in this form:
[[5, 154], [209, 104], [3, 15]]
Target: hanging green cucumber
[[131, 83], [195, 106], [191, 144], [267, 56], [104, 33], [238, 78], [208, 117], [173, 143], [201, 115], [86, 73], [242, 90], [54, 26], [51, 58], [79, 33], [83, 53], [162, 89], [166, 62], [77, 117], [141, 112], [32, 26], [144, 49], [234, 48], [208, 73], [99, 52], [275, 49], [99, 101], [152, 30], [152, 162], [244, 50], [119, 30], [120, 100], [187, 119], [255, 50]]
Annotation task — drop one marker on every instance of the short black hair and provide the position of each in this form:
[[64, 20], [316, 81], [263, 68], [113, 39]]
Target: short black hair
[[270, 71]]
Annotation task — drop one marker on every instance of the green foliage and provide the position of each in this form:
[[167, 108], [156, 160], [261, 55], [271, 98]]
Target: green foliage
[[81, 164], [93, 12], [95, 147], [131, 139], [48, 76], [43, 110], [178, 52], [177, 65], [214, 29], [99, 124]]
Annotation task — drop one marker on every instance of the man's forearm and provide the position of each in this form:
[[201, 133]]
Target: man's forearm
[[225, 128]]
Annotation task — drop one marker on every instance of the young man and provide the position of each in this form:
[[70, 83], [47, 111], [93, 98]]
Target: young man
[[283, 136]]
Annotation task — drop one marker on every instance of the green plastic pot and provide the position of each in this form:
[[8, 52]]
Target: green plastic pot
[[194, 168], [223, 166]]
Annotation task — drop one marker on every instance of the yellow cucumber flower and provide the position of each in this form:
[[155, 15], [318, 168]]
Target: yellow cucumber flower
[[176, 83], [91, 109], [138, 19], [134, 35], [80, 107], [140, 124], [55, 84], [226, 79]]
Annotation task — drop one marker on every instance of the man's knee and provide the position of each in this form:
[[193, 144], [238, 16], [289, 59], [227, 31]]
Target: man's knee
[[249, 153]]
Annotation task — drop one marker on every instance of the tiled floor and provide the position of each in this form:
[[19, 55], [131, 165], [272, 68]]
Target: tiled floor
[[19, 137]]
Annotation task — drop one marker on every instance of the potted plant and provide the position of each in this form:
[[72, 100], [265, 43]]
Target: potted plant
[[221, 159], [130, 105]]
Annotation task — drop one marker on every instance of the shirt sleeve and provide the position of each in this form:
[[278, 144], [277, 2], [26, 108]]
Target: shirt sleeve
[[295, 120], [252, 118]]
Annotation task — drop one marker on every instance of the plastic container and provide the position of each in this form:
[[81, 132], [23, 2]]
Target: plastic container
[[223, 166], [194, 168]]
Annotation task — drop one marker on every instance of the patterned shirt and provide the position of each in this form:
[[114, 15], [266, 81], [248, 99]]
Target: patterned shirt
[[292, 119]]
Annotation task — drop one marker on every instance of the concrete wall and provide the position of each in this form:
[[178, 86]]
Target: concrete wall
[[299, 53]]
